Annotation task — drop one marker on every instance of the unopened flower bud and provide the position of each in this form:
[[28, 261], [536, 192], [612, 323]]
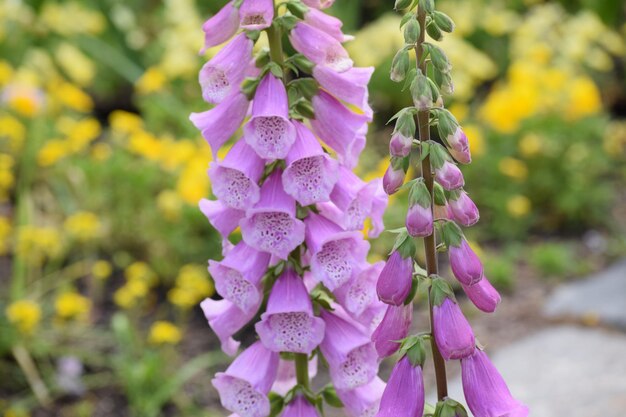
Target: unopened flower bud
[[404, 393], [402, 4], [411, 31], [402, 138], [443, 21], [484, 296], [465, 265], [421, 92], [419, 218], [459, 145], [400, 65], [394, 176], [395, 280], [463, 208], [453, 334], [449, 176]]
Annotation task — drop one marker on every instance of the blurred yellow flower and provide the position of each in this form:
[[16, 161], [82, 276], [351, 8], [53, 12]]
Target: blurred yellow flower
[[54, 16], [140, 271], [513, 168], [82, 133], [83, 226], [169, 204], [125, 122], [614, 142], [193, 183], [476, 140], [192, 285], [164, 332], [52, 152], [101, 151], [75, 64], [145, 144], [6, 72], [35, 244], [530, 145], [518, 206], [5, 235], [151, 81], [24, 99], [71, 305], [583, 98], [13, 130], [24, 315], [71, 96], [101, 269]]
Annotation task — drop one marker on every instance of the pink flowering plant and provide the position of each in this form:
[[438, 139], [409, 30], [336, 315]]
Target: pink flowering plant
[[437, 206]]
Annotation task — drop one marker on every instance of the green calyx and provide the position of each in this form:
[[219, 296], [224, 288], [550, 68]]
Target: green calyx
[[418, 194], [438, 155], [404, 245], [443, 21], [421, 93], [415, 349], [411, 31], [398, 163], [400, 65], [402, 4], [439, 195], [449, 408], [405, 124], [440, 290], [305, 87], [297, 8], [446, 123], [452, 234]]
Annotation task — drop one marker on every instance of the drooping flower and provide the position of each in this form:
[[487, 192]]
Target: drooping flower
[[339, 128], [226, 319], [394, 327], [300, 407], [326, 23], [243, 387], [220, 27], [449, 176], [485, 391], [362, 401], [221, 122], [223, 218], [319, 4], [288, 324], [463, 208], [395, 280], [484, 296], [349, 352], [349, 86], [360, 292], [335, 253], [453, 334], [311, 174], [238, 276], [465, 265], [235, 179], [419, 217], [269, 131], [226, 70], [404, 393], [256, 14], [271, 226], [459, 146], [394, 175], [286, 378], [319, 47]]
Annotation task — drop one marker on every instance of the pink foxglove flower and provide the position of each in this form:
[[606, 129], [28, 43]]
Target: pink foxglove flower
[[288, 324], [394, 283], [226, 70], [394, 176], [400, 145], [349, 86], [319, 47], [463, 209], [235, 179], [339, 128], [394, 326], [221, 122], [404, 394], [243, 387], [483, 295], [220, 27], [269, 131], [360, 292], [311, 174], [419, 217], [485, 391], [271, 226], [362, 401], [256, 14], [335, 252], [465, 265], [453, 334], [300, 407], [350, 354], [226, 319], [449, 176], [326, 23], [319, 4], [223, 218], [459, 146], [238, 276], [286, 378]]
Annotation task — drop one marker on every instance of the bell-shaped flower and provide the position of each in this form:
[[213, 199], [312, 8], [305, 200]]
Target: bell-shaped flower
[[339, 127], [362, 401], [225, 71], [400, 145], [360, 292], [300, 407], [286, 378], [483, 295], [419, 217], [465, 265], [349, 86], [226, 319], [238, 276], [394, 175], [223, 218], [271, 225], [319, 47], [256, 14], [235, 179], [326, 23], [449, 176], [220, 27], [350, 354], [396, 278], [453, 333], [269, 131], [319, 4], [288, 324], [311, 173], [243, 387], [459, 146], [335, 253], [221, 122], [404, 393], [485, 391], [463, 208], [394, 327]]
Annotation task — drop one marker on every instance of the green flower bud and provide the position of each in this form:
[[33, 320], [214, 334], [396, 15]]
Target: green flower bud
[[433, 31], [421, 92], [400, 65], [428, 5], [411, 32], [402, 4], [443, 21]]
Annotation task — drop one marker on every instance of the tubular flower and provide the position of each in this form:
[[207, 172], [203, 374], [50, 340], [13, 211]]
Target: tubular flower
[[226, 319], [320, 47], [349, 86], [404, 394], [463, 208], [465, 265], [483, 295], [453, 333], [300, 407], [363, 401], [395, 280], [394, 327], [221, 27], [256, 14]]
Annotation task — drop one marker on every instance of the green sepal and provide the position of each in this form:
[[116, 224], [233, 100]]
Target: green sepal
[[418, 194], [304, 108], [396, 231], [452, 234], [443, 21], [274, 68], [400, 239], [262, 58], [297, 8], [406, 247], [287, 21], [307, 87], [398, 163], [411, 110], [420, 92], [417, 353], [440, 290], [439, 59], [277, 403], [446, 123], [414, 285], [428, 5], [323, 296], [407, 16], [237, 3], [434, 90], [329, 394], [438, 155], [433, 31], [405, 123], [454, 194], [301, 62], [424, 150], [249, 86], [411, 31], [253, 35], [408, 80], [399, 65], [439, 194], [419, 272], [402, 4], [449, 408]]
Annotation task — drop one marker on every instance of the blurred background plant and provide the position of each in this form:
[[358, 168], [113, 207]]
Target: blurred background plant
[[103, 249]]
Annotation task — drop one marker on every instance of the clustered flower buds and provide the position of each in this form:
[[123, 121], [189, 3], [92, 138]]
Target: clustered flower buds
[[437, 205]]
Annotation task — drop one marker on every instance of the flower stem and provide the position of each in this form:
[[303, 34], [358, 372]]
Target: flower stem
[[25, 361], [276, 44], [430, 248], [302, 369]]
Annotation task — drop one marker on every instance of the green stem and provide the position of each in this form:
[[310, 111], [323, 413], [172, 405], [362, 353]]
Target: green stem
[[302, 369], [430, 244], [26, 363]]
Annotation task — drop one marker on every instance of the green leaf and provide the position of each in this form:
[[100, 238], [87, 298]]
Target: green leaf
[[330, 396], [277, 403]]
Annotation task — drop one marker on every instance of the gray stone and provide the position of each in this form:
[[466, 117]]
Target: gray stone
[[602, 297], [564, 371]]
